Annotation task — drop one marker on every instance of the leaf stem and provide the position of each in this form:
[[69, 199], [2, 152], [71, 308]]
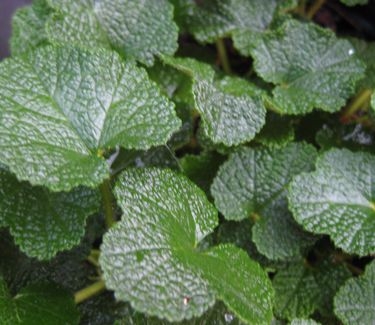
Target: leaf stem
[[314, 8], [223, 57], [89, 291], [105, 189], [357, 103]]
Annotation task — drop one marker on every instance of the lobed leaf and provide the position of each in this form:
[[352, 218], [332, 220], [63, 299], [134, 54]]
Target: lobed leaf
[[337, 200], [151, 256], [61, 107]]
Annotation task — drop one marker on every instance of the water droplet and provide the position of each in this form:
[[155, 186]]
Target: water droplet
[[228, 317], [186, 300], [351, 51]]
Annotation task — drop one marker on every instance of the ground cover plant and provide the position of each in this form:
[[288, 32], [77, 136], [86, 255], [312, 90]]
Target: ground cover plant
[[187, 162]]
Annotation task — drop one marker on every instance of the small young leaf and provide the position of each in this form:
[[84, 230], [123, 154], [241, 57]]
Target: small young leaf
[[139, 29], [37, 304], [355, 301], [252, 183], [28, 27], [338, 200], [321, 74], [60, 107], [151, 259], [44, 223]]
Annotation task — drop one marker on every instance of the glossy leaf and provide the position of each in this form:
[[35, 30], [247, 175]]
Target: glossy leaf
[[355, 301], [44, 223], [151, 258], [61, 107], [252, 184], [337, 200], [321, 74], [139, 29], [37, 304]]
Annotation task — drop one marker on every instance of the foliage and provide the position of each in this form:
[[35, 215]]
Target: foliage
[[149, 178]]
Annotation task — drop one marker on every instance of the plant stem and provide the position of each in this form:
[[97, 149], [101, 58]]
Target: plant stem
[[105, 189], [89, 291], [358, 102], [314, 8], [223, 57]]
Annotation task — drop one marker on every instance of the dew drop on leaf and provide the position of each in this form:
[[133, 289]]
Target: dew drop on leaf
[[228, 318]]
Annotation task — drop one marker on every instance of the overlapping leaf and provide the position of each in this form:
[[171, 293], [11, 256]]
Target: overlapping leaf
[[242, 19], [37, 304], [231, 109], [321, 74], [338, 200], [355, 301], [252, 183], [28, 27], [150, 257], [60, 107], [139, 29], [44, 223], [301, 290]]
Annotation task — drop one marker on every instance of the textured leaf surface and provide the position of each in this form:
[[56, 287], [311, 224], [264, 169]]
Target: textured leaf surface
[[61, 106], [28, 27], [252, 183], [366, 52], [44, 223], [296, 292], [37, 304], [230, 115], [139, 29], [300, 321], [321, 74], [151, 258], [337, 200], [355, 301], [214, 19]]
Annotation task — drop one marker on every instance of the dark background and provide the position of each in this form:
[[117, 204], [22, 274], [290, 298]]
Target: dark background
[[7, 8]]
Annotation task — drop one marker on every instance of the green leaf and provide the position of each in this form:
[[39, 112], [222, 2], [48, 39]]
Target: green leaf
[[139, 30], [366, 52], [37, 304], [355, 301], [321, 74], [277, 131], [297, 293], [44, 223], [61, 107], [243, 19], [354, 2], [28, 27], [151, 259], [299, 321], [231, 109], [338, 200], [229, 114], [252, 183]]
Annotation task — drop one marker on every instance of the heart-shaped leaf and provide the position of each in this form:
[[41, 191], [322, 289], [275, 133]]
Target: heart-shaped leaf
[[338, 200], [61, 107], [151, 257], [252, 184]]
